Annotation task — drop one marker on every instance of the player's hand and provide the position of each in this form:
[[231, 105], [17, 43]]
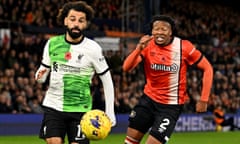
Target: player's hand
[[112, 119], [201, 106], [144, 41], [40, 74]]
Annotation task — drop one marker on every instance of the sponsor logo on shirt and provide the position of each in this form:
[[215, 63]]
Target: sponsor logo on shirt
[[169, 68], [65, 68]]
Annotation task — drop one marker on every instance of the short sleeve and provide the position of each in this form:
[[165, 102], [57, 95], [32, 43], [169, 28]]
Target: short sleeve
[[192, 54], [99, 61], [46, 57]]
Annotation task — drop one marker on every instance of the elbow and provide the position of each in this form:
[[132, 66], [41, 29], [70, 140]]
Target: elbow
[[210, 70]]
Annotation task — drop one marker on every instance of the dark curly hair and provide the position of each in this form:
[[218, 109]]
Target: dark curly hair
[[78, 6], [165, 18]]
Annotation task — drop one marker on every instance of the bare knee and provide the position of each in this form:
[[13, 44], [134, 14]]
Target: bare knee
[[54, 140]]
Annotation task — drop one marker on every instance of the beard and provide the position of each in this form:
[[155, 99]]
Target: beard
[[73, 34]]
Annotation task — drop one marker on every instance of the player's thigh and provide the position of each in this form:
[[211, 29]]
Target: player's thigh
[[53, 125], [74, 132], [165, 121], [141, 117]]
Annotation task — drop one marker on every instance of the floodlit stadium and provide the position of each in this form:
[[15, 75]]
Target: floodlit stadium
[[212, 26]]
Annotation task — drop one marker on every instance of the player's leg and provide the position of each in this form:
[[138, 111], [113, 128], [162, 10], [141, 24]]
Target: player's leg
[[54, 140], [133, 136], [140, 120], [152, 140], [164, 124], [74, 133], [53, 127]]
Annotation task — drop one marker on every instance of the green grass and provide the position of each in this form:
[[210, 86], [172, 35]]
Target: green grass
[[177, 138]]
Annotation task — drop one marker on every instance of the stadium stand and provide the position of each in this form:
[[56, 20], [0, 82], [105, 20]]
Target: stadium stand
[[213, 27]]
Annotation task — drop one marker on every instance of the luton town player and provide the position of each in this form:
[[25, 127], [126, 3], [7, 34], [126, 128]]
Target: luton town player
[[165, 58]]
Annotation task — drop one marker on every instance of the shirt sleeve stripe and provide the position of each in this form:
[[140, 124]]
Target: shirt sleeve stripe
[[102, 73], [45, 65], [200, 58]]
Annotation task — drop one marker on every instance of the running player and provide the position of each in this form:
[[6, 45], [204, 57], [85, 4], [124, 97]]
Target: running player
[[166, 58], [72, 59]]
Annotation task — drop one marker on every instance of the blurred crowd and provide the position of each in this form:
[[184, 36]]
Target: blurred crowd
[[213, 28]]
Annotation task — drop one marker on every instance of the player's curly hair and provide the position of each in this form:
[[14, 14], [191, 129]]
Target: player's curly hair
[[165, 18], [78, 6]]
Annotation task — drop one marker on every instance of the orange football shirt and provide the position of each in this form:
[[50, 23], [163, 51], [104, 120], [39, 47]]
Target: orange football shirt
[[166, 70]]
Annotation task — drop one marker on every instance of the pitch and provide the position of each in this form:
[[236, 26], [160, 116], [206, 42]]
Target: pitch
[[177, 138]]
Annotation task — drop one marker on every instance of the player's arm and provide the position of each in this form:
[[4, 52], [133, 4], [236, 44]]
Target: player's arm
[[102, 70], [42, 73], [134, 57], [207, 79], [108, 88], [195, 57], [132, 60], [44, 69]]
